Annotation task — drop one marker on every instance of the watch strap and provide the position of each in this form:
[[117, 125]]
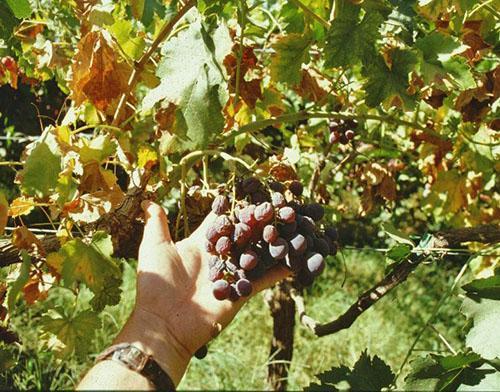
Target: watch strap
[[135, 359]]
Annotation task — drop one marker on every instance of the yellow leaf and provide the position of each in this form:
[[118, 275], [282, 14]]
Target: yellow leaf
[[4, 212]]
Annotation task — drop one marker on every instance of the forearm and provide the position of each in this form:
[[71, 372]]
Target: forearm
[[148, 333]]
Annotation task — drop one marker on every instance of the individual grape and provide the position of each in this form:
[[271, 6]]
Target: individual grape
[[277, 186], [288, 229], [233, 294], [249, 260], [307, 225], [220, 205], [223, 245], [351, 124], [221, 289], [299, 243], [321, 246], [332, 233], [278, 249], [315, 264], [278, 200], [333, 125], [294, 262], [296, 188], [349, 134], [295, 205], [243, 287], [286, 214], [264, 212], [223, 225], [343, 139], [209, 246], [215, 268], [240, 274], [334, 137], [270, 233], [250, 185], [310, 241], [246, 215], [242, 233], [212, 235], [201, 352], [315, 211]]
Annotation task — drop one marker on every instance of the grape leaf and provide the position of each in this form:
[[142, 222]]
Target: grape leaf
[[292, 51], [41, 170], [351, 40], [4, 212], [75, 332], [192, 78], [384, 82], [445, 373], [98, 149], [7, 360], [368, 374], [483, 336], [137, 7], [20, 8], [21, 280], [484, 288], [454, 187], [91, 264]]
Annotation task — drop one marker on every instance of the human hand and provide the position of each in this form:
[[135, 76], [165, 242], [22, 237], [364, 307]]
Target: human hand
[[176, 312]]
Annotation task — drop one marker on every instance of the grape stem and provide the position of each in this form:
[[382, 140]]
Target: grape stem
[[486, 234]]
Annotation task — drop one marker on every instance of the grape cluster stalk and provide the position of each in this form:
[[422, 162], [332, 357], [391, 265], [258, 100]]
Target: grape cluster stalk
[[265, 225]]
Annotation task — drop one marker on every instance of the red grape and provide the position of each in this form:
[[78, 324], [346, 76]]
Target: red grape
[[212, 234], [332, 233], [242, 233], [299, 243], [264, 212], [278, 249], [321, 246], [278, 200], [286, 214], [244, 287], [223, 245], [246, 215], [315, 264], [334, 137], [220, 205], [223, 225], [343, 139], [250, 185], [277, 186], [209, 246], [349, 134], [270, 233], [315, 211], [249, 260], [221, 289], [296, 188], [215, 268]]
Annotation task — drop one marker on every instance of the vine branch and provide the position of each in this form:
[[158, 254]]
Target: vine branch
[[488, 234]]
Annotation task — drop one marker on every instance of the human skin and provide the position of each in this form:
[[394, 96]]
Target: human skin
[[175, 311]]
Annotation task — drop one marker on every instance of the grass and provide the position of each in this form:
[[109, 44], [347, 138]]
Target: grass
[[238, 358]]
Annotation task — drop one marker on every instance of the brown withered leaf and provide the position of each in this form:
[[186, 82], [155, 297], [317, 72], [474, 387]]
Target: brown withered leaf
[[249, 90], [100, 75], [476, 45], [439, 146], [165, 117], [378, 183], [7, 336], [23, 238], [95, 178], [436, 98], [282, 172], [92, 206], [34, 291], [309, 88]]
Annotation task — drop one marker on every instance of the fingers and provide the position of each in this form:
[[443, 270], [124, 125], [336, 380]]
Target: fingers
[[201, 230], [156, 227]]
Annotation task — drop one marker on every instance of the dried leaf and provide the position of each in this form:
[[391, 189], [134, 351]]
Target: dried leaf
[[23, 238], [309, 88], [4, 212], [100, 75]]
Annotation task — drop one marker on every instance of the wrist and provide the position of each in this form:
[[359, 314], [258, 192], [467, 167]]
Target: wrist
[[149, 333]]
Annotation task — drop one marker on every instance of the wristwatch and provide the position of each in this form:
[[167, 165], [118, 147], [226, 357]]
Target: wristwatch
[[135, 359]]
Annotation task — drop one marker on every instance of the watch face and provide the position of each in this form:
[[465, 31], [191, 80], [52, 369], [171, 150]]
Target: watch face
[[132, 356]]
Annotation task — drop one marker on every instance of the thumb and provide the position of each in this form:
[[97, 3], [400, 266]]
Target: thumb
[[156, 227]]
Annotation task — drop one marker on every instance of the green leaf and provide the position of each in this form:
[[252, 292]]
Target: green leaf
[[483, 336], [132, 45], [22, 279], [137, 7], [368, 374], [20, 8], [384, 82], [93, 265], [484, 288], [192, 78], [7, 360], [438, 61], [397, 235], [74, 332], [399, 252], [351, 40], [41, 171], [445, 373], [292, 51], [98, 149]]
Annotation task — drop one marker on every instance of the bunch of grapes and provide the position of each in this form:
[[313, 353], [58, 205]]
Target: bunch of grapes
[[342, 131], [264, 225]]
